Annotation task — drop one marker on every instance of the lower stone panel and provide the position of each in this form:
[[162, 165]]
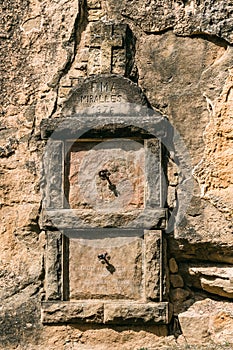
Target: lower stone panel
[[107, 312]]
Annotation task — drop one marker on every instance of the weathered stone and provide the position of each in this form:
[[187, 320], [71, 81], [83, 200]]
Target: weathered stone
[[74, 218], [176, 281], [218, 286], [149, 312], [94, 4], [101, 90], [48, 47], [153, 174], [53, 266], [124, 160], [194, 327], [213, 251], [107, 312], [176, 85], [221, 325], [172, 173], [185, 18], [207, 320], [173, 265], [171, 197], [64, 312], [109, 123], [213, 279], [216, 180], [153, 265], [179, 294], [95, 15], [121, 278], [51, 185]]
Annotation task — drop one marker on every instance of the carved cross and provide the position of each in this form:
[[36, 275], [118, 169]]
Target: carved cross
[[106, 37]]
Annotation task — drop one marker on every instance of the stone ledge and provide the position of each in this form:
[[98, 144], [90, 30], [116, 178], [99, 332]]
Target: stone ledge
[[73, 218], [70, 312], [96, 311], [137, 122]]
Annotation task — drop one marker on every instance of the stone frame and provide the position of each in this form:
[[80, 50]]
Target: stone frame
[[59, 221], [57, 308], [55, 212]]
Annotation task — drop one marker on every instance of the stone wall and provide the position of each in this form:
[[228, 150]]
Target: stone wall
[[180, 55]]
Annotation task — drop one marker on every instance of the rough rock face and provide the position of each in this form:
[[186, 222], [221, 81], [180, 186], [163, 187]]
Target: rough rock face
[[207, 319], [213, 279], [180, 55], [184, 17]]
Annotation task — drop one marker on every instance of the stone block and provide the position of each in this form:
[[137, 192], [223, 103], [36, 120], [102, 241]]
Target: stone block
[[124, 160], [195, 327], [102, 88], [176, 281], [93, 311], [173, 265], [153, 173], [51, 185], [63, 312], [71, 219], [153, 270], [53, 266], [218, 286], [208, 321], [213, 279], [136, 312], [120, 278], [179, 294]]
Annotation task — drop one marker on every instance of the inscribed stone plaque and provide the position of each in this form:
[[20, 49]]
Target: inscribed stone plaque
[[105, 94], [121, 278]]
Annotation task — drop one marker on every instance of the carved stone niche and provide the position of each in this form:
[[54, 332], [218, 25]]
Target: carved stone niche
[[104, 195]]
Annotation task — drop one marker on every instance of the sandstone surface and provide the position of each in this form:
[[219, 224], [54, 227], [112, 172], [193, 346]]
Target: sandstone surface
[[179, 53], [207, 320]]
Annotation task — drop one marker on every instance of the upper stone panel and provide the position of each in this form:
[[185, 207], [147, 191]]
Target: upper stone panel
[[105, 48]]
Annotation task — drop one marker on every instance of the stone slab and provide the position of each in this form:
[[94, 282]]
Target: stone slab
[[105, 312], [136, 312], [53, 266], [153, 265], [124, 121], [52, 183], [74, 218], [63, 312], [153, 173], [124, 161], [208, 320], [121, 278]]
